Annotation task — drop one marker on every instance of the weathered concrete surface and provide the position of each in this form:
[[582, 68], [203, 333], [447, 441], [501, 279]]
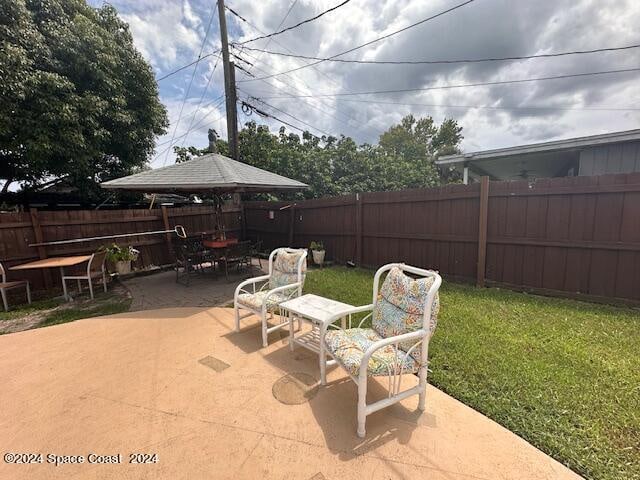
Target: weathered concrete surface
[[133, 383]]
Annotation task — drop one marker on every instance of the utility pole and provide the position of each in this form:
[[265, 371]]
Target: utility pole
[[229, 85]]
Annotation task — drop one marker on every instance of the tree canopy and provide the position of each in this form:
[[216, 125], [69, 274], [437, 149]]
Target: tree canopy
[[403, 158], [76, 97]]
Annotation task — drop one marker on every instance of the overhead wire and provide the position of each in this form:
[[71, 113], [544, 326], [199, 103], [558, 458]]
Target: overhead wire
[[262, 113], [193, 74], [465, 85], [446, 62], [308, 101], [188, 65], [383, 37], [173, 141], [204, 92], [290, 115], [286, 15], [241, 49], [316, 17], [490, 107]]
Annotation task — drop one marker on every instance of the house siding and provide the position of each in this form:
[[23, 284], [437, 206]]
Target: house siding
[[613, 158]]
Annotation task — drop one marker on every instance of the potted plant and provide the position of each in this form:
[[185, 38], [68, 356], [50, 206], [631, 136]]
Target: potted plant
[[317, 250], [121, 257]]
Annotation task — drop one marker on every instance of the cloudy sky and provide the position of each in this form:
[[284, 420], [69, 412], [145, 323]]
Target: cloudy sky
[[170, 34]]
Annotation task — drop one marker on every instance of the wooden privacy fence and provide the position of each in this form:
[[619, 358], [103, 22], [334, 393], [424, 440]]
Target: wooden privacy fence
[[574, 236], [18, 230]]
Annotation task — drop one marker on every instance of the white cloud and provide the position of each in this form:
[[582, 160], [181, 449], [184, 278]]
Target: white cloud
[[169, 34]]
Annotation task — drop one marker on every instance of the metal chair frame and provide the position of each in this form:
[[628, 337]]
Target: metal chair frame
[[4, 286], [295, 290], [101, 272], [421, 336]]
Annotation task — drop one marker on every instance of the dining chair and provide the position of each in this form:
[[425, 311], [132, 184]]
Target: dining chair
[[95, 270], [6, 285]]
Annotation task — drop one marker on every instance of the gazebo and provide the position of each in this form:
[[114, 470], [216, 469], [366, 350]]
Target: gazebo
[[210, 173]]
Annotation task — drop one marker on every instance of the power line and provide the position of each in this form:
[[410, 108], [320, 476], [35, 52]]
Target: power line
[[292, 26], [479, 84], [432, 62], [262, 113], [384, 37], [193, 74], [193, 112], [291, 51], [188, 65], [490, 107], [204, 92], [173, 141], [286, 15], [307, 101], [289, 115]]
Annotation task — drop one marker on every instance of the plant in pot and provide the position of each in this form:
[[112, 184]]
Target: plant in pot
[[317, 251], [121, 257]]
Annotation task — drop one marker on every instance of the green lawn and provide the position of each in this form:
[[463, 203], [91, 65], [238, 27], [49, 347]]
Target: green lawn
[[43, 313], [562, 374]]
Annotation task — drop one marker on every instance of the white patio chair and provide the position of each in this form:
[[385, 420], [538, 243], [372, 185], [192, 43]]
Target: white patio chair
[[5, 285], [404, 316], [95, 269], [287, 271]]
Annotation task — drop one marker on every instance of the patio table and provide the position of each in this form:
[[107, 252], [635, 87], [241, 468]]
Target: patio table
[[219, 243], [317, 311], [54, 262]]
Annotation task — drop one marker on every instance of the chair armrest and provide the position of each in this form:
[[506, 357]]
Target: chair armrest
[[418, 334], [249, 281], [363, 308], [283, 288], [325, 326]]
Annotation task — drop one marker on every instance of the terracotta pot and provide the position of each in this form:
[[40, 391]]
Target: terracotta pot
[[318, 256]]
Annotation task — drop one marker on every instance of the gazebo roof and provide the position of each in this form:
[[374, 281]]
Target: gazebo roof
[[210, 172]]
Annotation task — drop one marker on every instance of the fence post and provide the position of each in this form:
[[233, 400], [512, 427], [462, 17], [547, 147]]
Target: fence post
[[42, 251], [292, 224], [359, 229], [482, 231], [167, 236]]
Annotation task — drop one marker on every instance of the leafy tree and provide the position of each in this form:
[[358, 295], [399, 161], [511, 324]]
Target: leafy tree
[[404, 157], [76, 97]]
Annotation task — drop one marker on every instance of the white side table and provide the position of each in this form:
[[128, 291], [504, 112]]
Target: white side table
[[317, 311]]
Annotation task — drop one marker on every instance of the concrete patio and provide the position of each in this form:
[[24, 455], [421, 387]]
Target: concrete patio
[[179, 383], [160, 290]]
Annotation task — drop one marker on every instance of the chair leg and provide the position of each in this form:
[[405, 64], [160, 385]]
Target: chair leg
[[104, 280], [422, 375], [64, 289], [362, 405], [4, 299], [236, 312], [90, 288], [79, 286], [28, 293], [265, 334]]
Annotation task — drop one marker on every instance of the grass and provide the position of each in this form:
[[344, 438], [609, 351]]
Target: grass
[[561, 374], [43, 313]]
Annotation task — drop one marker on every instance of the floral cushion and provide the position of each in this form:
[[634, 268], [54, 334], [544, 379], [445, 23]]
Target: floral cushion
[[255, 300], [400, 307], [348, 346], [285, 269]]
